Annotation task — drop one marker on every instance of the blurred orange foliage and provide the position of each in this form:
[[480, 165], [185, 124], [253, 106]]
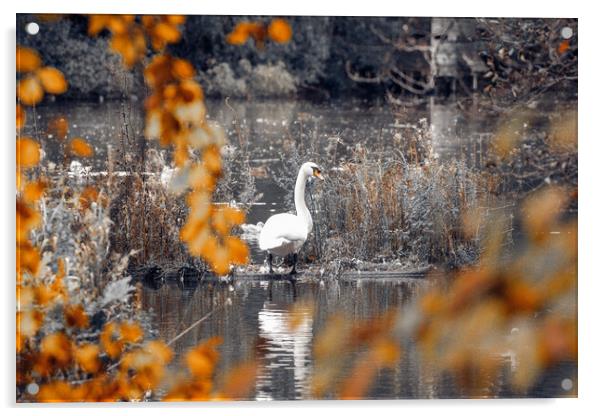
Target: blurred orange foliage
[[59, 127], [129, 37], [80, 147], [37, 79], [176, 115], [28, 153], [278, 30], [115, 364]]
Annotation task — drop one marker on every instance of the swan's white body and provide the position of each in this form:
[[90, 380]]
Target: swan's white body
[[284, 234]]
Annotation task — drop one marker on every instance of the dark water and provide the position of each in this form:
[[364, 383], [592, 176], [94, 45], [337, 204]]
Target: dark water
[[247, 312]]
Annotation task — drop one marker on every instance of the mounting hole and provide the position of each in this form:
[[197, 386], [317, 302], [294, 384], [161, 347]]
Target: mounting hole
[[566, 384], [32, 388], [566, 32], [32, 28]]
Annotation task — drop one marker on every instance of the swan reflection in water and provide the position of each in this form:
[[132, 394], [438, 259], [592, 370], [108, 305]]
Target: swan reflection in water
[[286, 342]]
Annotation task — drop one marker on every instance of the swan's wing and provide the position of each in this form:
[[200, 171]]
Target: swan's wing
[[281, 229]]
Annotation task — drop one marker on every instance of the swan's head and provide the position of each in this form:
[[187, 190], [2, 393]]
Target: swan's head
[[311, 169]]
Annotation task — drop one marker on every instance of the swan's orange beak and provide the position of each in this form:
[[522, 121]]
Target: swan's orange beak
[[318, 174]]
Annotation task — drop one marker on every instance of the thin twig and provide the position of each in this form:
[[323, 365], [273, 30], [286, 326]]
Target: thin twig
[[184, 332]]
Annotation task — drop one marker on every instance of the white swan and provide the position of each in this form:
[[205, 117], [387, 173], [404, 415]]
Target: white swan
[[284, 234]]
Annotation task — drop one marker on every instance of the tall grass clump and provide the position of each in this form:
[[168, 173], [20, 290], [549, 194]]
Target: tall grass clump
[[150, 217], [394, 210]]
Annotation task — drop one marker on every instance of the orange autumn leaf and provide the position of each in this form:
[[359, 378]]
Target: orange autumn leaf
[[558, 340], [148, 21], [218, 259], [386, 352], [432, 303], [86, 356], [190, 390], [75, 316], [157, 72], [30, 91], [27, 219], [159, 350], [280, 31], [110, 340], [199, 240], [200, 178], [59, 127], [145, 370], [29, 322], [243, 30], [175, 19], [28, 60], [21, 117], [189, 90], [166, 33], [130, 332], [239, 382], [225, 218], [34, 190], [234, 216], [520, 296], [356, 385], [563, 46], [25, 297], [180, 153], [28, 152], [57, 285], [191, 229], [57, 348], [55, 391], [80, 147], [219, 222], [200, 203], [382, 353], [130, 45], [238, 250], [52, 80], [87, 196], [182, 69], [202, 360], [118, 24], [46, 295], [212, 160], [96, 23], [541, 211], [162, 30], [187, 111], [28, 260], [60, 271], [237, 37]]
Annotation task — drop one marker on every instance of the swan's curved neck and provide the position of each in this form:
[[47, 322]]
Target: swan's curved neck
[[300, 205]]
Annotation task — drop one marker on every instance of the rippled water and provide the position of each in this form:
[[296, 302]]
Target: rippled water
[[254, 316], [250, 311]]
